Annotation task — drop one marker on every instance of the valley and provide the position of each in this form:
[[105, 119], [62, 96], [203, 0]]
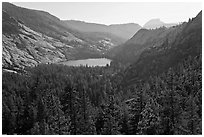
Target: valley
[[47, 39], [70, 77]]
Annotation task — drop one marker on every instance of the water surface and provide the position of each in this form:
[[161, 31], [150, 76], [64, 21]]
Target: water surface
[[89, 62]]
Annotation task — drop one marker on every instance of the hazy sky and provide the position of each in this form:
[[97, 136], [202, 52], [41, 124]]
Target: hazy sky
[[118, 13]]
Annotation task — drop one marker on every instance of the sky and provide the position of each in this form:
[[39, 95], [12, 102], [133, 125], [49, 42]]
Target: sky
[[118, 12]]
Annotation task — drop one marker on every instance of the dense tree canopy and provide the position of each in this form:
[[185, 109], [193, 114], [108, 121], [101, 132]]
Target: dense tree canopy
[[57, 99]]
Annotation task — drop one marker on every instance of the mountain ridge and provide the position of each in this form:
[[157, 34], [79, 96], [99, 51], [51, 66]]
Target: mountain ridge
[[124, 31], [48, 24]]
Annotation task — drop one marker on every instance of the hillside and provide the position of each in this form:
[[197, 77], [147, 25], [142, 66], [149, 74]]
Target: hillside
[[130, 51], [31, 37], [155, 60], [23, 46]]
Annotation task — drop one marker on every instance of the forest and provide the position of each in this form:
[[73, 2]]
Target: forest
[[52, 99], [152, 86]]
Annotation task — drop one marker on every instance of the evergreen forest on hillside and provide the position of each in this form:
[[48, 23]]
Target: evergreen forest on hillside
[[56, 99], [150, 83]]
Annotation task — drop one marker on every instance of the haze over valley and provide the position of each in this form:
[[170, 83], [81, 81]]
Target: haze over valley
[[63, 76]]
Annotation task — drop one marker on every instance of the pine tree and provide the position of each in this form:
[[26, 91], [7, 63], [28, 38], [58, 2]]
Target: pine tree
[[170, 100], [8, 116], [150, 121], [111, 113], [191, 116], [58, 123], [85, 119], [136, 105], [69, 103], [124, 119]]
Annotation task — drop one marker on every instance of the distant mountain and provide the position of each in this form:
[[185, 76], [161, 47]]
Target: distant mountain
[[124, 31], [157, 23], [180, 42]]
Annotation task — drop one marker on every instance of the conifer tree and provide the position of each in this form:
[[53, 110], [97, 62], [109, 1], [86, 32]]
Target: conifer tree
[[150, 121], [58, 123], [111, 113], [136, 105], [192, 118], [85, 118]]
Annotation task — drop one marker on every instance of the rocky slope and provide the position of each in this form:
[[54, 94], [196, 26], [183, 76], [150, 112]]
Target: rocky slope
[[23, 46], [31, 37]]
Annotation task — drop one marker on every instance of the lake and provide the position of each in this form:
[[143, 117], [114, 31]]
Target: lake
[[89, 62]]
